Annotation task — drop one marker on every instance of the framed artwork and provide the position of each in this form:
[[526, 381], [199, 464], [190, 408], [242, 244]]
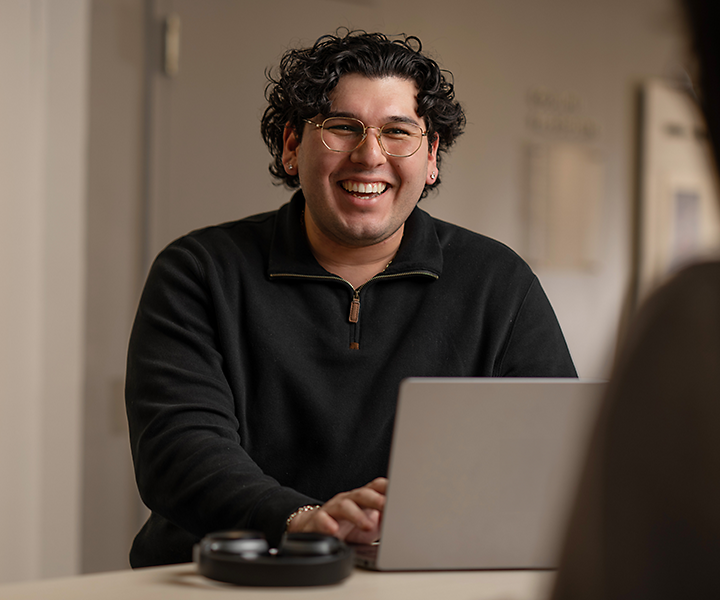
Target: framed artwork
[[566, 189], [678, 217]]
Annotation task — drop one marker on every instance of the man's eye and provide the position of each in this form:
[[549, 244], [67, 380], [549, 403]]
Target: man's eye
[[397, 132], [344, 129]]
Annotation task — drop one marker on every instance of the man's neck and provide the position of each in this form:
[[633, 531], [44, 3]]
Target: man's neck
[[355, 264]]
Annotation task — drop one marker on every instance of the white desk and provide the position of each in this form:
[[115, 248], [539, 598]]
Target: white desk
[[181, 582]]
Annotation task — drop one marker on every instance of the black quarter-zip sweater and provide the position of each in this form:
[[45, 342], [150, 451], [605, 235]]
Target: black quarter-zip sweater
[[258, 382]]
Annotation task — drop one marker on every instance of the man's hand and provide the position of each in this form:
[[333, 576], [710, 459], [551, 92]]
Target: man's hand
[[352, 516]]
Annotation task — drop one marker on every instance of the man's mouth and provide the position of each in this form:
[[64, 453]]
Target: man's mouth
[[364, 190]]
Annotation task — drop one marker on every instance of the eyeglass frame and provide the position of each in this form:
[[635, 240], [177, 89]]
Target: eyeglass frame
[[321, 126]]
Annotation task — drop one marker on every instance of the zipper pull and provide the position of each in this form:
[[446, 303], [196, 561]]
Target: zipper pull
[[354, 308]]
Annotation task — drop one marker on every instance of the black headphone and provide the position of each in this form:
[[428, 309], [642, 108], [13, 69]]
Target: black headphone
[[245, 558]]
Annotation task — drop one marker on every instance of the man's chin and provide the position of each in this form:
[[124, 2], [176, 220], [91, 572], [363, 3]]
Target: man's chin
[[366, 234], [363, 239]]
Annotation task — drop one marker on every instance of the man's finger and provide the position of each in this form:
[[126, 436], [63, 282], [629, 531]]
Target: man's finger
[[322, 522], [346, 509], [379, 484], [366, 497]]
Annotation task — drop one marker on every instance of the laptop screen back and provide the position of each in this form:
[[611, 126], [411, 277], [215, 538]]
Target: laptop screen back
[[482, 471]]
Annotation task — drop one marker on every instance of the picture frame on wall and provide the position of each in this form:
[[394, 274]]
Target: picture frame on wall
[[677, 216]]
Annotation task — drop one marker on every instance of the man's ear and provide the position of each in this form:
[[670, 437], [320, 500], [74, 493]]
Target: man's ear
[[290, 146], [432, 171]]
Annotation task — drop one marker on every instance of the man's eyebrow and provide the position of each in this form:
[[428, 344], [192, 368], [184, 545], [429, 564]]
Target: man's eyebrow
[[403, 119], [392, 119], [333, 113]]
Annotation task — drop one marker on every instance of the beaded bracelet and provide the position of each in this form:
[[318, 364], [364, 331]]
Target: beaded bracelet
[[302, 509]]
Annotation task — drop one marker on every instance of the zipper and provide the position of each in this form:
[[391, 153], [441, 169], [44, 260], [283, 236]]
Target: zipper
[[354, 314], [355, 307]]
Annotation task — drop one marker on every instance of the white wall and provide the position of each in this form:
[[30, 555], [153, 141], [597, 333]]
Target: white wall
[[111, 506], [43, 114]]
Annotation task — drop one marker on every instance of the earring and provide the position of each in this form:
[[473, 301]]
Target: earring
[[289, 166], [432, 176]]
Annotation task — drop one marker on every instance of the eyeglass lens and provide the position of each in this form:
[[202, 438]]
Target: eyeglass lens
[[397, 139]]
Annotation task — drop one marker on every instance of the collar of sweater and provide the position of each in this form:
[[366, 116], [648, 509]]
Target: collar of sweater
[[420, 252]]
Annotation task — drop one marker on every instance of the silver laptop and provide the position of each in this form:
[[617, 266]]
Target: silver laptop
[[482, 473]]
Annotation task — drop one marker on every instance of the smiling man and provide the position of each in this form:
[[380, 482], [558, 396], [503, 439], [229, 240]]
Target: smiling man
[[266, 355]]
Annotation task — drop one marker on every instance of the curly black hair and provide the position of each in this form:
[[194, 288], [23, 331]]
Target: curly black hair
[[306, 77]]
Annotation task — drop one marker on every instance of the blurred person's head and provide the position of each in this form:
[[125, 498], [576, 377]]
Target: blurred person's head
[[704, 22]]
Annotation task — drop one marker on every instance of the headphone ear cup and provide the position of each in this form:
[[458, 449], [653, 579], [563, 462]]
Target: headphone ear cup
[[248, 544], [309, 544], [303, 559]]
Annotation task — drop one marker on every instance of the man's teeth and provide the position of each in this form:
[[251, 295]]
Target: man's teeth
[[364, 188]]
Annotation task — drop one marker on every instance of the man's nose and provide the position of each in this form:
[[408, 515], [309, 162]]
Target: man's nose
[[370, 150]]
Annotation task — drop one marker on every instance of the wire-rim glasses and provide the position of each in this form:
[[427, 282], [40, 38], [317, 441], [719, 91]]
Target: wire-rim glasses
[[346, 134]]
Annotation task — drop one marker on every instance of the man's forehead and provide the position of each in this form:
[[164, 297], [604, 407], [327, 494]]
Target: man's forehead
[[343, 100]]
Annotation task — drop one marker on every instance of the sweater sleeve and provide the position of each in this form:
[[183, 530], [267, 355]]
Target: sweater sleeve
[[536, 346], [190, 465]]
